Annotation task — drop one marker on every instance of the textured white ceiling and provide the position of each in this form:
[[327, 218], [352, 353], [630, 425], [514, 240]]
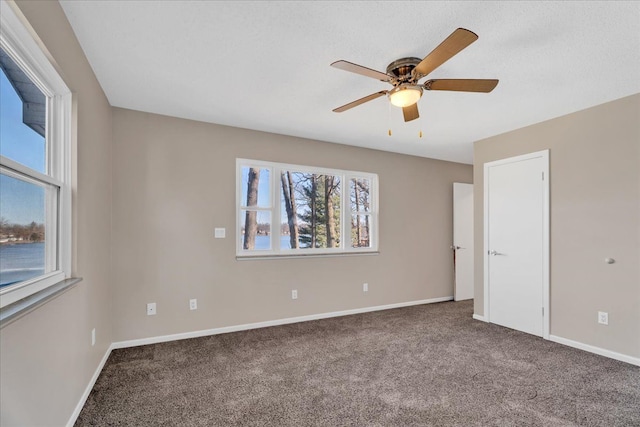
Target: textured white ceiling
[[265, 65]]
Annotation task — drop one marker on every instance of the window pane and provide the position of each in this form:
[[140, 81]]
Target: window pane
[[255, 233], [22, 230], [360, 195], [256, 188], [360, 226], [310, 210], [22, 117], [289, 222]]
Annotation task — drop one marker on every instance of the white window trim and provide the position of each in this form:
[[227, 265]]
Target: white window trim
[[19, 43], [275, 209]]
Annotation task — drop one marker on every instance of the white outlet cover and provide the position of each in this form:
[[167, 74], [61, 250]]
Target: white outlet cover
[[603, 317], [151, 309], [193, 304], [220, 233], [294, 294], [93, 336]]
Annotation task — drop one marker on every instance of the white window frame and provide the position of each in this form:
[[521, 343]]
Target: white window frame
[[275, 208], [17, 41]]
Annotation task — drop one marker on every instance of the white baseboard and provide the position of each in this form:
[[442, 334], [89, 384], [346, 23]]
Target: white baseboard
[[596, 350], [87, 390], [478, 317], [236, 328]]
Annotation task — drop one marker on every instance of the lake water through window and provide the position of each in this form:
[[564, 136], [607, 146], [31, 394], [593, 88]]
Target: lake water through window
[[298, 210], [35, 161]]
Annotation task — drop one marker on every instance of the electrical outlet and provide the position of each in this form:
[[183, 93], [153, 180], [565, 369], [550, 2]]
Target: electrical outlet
[[365, 287], [151, 309], [294, 294], [193, 304], [93, 337], [220, 233], [603, 318]]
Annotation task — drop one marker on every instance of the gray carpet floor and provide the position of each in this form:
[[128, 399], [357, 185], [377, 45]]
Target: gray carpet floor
[[429, 365]]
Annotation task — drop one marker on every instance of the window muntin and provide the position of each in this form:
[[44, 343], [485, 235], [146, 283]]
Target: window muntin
[[35, 173], [315, 207]]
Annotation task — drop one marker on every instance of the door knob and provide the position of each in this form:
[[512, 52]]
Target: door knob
[[455, 248], [494, 253]]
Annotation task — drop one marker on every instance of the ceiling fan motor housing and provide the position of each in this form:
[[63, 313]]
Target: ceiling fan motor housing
[[405, 92], [402, 68]]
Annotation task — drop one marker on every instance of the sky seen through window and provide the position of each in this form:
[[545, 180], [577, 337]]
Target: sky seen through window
[[20, 202]]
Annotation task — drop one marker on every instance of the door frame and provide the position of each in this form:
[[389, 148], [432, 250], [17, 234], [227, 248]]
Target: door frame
[[544, 154]]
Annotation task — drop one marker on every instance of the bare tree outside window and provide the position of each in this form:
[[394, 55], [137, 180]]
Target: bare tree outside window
[[317, 213], [360, 195], [250, 222], [293, 210], [256, 214], [289, 198]]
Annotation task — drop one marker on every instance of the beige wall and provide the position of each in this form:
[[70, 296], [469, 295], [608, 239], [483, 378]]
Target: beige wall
[[46, 357], [594, 214], [174, 182]]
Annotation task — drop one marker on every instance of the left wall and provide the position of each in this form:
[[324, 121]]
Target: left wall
[[46, 357]]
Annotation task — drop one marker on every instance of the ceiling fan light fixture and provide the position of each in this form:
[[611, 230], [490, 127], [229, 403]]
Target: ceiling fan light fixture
[[405, 95]]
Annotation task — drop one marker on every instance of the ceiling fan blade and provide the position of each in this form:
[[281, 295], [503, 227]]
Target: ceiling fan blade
[[453, 44], [359, 69], [368, 98], [410, 112], [462, 85]]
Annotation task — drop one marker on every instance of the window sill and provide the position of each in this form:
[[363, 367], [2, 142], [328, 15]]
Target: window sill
[[19, 308], [341, 254]]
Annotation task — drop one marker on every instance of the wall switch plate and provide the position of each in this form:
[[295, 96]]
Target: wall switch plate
[[603, 318], [151, 309], [294, 294], [193, 304], [365, 287], [220, 233], [93, 336]]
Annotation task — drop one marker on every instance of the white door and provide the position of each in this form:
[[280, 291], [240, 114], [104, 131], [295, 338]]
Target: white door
[[463, 240], [516, 243]]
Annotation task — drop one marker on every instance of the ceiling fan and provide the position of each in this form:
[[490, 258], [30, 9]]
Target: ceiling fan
[[404, 73]]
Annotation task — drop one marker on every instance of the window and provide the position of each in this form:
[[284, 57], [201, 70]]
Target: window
[[360, 193], [35, 200], [290, 210]]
